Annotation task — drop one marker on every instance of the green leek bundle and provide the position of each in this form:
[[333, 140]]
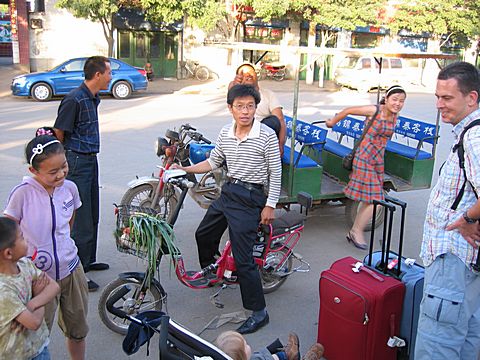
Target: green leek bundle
[[152, 236]]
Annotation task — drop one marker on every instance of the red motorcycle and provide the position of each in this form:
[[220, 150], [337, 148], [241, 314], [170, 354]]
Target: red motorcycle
[[273, 71], [147, 234]]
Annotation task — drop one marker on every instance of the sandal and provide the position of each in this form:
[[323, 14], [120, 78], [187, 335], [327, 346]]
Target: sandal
[[351, 238]]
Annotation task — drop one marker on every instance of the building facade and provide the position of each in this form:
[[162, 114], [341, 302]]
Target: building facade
[[43, 36]]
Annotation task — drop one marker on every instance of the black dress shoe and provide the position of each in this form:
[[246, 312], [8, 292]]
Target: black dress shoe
[[92, 286], [251, 325], [98, 266]]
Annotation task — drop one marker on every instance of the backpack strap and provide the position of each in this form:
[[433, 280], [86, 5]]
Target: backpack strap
[[458, 147]]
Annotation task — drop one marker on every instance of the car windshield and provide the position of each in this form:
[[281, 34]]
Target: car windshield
[[349, 62]]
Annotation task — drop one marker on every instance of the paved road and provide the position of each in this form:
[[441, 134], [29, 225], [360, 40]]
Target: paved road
[[129, 129]]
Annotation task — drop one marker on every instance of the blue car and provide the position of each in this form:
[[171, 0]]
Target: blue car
[[69, 75]]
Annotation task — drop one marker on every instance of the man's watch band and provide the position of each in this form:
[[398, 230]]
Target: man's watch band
[[468, 219]]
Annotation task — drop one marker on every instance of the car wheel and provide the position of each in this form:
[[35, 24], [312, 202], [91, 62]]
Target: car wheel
[[122, 90], [41, 92]]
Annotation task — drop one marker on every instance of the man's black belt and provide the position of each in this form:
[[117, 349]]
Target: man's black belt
[[82, 153], [247, 185]]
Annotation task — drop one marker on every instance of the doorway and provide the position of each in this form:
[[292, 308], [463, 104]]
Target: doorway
[[157, 47]]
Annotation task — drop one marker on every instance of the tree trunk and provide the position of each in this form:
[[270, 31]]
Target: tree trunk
[[321, 60], [310, 58], [471, 52], [110, 42]]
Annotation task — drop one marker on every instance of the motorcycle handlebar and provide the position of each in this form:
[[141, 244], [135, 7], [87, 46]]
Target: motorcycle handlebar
[[182, 183], [204, 139], [189, 127], [199, 137], [114, 298]]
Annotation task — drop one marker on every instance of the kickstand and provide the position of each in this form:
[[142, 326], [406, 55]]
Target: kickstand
[[214, 300], [219, 320]]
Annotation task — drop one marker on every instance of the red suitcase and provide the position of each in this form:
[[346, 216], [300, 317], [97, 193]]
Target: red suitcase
[[359, 312]]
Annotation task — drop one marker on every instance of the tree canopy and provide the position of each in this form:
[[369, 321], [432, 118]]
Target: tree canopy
[[459, 19]]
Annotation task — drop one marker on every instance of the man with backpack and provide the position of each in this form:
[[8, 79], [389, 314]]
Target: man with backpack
[[449, 322]]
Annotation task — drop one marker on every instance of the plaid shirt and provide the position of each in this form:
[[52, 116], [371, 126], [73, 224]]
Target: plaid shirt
[[78, 118], [437, 241]]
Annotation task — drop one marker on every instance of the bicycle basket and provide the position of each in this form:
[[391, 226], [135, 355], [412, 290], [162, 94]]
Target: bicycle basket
[[141, 233]]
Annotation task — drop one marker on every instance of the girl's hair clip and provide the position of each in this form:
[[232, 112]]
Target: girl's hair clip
[[37, 150], [44, 131]]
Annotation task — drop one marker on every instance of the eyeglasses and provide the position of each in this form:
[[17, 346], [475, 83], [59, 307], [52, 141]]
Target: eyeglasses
[[249, 107]]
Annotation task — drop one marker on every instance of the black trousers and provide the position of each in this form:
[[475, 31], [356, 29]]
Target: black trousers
[[83, 171], [238, 209]]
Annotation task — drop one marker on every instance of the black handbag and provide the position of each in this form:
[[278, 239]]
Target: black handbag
[[347, 161]]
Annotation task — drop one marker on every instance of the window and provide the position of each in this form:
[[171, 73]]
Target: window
[[124, 42], [155, 46], [385, 64], [114, 65], [349, 62], [396, 63], [36, 5], [141, 52], [75, 65], [170, 47], [366, 63]]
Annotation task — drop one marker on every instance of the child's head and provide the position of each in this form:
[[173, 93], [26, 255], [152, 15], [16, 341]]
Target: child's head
[[47, 160], [12, 244], [234, 345]]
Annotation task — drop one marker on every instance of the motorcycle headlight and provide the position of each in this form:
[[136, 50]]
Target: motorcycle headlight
[[160, 146]]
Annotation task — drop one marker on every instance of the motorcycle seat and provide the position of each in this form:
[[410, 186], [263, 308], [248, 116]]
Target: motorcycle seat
[[289, 221]]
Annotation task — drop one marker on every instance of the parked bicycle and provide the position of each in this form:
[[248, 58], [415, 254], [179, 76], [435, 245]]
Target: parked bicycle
[[149, 235], [194, 69]]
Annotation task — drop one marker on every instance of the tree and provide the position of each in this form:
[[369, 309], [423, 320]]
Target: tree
[[444, 20], [97, 11], [212, 14], [333, 15]]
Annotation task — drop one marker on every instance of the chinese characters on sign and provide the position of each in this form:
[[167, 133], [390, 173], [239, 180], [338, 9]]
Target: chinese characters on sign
[[13, 20], [414, 129], [305, 132]]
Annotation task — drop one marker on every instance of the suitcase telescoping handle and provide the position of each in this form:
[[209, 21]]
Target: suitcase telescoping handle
[[403, 206], [387, 233]]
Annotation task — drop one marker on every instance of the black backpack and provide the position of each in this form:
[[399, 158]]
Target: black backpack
[[461, 160]]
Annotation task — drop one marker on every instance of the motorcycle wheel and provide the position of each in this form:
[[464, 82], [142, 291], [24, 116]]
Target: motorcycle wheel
[[270, 280], [142, 196], [279, 75], [151, 301]]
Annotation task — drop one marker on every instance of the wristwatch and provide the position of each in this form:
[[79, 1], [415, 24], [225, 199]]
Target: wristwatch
[[468, 219]]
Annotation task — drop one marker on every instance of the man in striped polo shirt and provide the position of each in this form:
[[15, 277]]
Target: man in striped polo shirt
[[251, 152]]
